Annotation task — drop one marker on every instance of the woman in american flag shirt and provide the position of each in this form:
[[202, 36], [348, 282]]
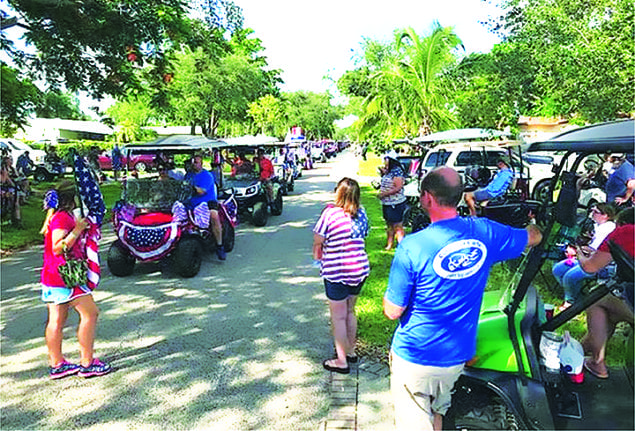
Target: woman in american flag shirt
[[338, 243]]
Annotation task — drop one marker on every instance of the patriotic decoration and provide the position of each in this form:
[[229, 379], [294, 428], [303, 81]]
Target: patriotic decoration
[[149, 242], [93, 200], [359, 224]]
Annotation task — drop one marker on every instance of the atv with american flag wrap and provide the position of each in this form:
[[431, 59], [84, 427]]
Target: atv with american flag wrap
[[153, 220]]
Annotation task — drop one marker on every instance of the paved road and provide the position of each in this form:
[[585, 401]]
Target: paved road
[[237, 347]]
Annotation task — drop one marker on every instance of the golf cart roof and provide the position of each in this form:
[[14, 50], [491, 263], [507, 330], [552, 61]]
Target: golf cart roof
[[175, 143], [249, 141], [614, 137], [461, 135]]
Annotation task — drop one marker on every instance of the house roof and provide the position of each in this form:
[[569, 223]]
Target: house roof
[[73, 125]]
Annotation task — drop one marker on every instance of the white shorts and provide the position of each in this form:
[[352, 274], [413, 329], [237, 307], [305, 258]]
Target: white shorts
[[419, 391]]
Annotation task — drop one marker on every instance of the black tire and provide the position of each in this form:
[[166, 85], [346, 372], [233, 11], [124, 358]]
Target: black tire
[[120, 261], [276, 206], [40, 175], [187, 257], [284, 188], [542, 191], [229, 236], [291, 185], [140, 167], [490, 417], [260, 214]]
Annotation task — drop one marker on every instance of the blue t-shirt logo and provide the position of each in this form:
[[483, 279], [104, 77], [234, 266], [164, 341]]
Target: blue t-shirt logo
[[460, 259]]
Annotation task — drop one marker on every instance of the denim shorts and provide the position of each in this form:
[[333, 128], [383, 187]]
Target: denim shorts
[[394, 213], [482, 195], [340, 291]]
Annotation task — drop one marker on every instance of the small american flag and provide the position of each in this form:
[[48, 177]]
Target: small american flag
[[93, 200]]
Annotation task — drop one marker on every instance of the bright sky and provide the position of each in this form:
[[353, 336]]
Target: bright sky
[[311, 39]]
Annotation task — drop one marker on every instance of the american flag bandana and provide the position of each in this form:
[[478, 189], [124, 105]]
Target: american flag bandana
[[93, 200]]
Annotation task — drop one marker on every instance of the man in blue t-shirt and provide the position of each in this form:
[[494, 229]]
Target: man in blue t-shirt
[[205, 186], [435, 289], [621, 183], [495, 188]]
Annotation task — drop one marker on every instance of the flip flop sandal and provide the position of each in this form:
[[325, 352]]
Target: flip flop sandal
[[340, 370], [595, 373]]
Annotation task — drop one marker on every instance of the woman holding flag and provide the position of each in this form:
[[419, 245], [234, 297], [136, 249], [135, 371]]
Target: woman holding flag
[[65, 237]]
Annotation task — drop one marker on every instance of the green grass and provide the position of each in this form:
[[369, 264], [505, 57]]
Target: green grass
[[33, 216]]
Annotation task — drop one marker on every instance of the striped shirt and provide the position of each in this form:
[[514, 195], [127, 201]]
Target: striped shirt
[[344, 258], [387, 183]]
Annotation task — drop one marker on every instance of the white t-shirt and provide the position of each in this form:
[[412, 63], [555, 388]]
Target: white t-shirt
[[601, 231]]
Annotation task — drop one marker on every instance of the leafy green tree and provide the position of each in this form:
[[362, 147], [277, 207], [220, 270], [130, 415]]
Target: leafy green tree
[[99, 45], [19, 98], [581, 55], [206, 92], [130, 115], [56, 104], [313, 112], [403, 85], [269, 116]]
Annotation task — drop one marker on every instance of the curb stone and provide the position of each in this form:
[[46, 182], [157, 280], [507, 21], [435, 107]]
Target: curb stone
[[345, 395]]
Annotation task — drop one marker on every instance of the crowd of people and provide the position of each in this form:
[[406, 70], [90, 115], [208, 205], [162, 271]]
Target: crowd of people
[[435, 299]]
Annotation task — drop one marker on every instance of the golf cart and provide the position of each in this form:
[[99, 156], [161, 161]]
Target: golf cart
[[250, 193], [508, 384], [153, 220], [285, 165]]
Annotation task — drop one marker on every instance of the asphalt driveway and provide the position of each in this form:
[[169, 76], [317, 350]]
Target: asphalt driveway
[[237, 347]]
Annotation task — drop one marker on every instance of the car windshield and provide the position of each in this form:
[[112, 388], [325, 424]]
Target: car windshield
[[437, 159]]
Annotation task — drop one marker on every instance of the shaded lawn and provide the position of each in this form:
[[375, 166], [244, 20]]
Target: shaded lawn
[[33, 216]]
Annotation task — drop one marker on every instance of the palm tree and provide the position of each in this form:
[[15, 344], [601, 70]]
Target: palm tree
[[409, 95]]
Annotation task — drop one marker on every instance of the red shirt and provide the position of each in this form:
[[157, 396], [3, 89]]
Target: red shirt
[[266, 168], [50, 277], [624, 236]]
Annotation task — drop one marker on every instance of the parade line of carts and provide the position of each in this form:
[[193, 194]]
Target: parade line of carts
[[153, 220]]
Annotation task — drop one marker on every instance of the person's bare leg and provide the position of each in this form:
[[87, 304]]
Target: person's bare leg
[[88, 314], [217, 229], [390, 235], [437, 423], [399, 232], [339, 310], [58, 313], [471, 202], [351, 325]]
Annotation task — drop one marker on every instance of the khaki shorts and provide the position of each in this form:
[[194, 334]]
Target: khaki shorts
[[419, 391]]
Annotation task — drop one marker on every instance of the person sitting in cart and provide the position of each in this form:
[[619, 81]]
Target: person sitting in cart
[[241, 165], [266, 171], [496, 187], [205, 186], [621, 183]]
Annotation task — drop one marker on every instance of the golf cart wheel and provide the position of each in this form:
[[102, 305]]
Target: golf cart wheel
[[140, 167], [542, 191], [40, 175], [228, 236], [290, 185], [120, 261], [188, 257], [276, 206], [260, 214], [490, 417]]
